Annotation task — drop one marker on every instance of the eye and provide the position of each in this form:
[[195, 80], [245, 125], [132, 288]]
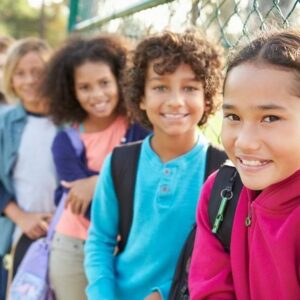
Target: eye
[[19, 73], [190, 89], [270, 118], [231, 117], [83, 87], [37, 72], [160, 88], [104, 83]]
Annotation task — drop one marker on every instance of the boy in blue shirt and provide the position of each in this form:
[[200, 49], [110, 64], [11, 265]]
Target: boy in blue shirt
[[171, 87]]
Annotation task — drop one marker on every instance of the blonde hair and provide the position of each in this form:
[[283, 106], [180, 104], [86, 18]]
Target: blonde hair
[[14, 54], [5, 42]]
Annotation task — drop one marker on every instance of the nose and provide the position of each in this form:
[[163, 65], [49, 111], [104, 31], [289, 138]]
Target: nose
[[176, 99], [30, 78], [97, 92], [247, 138]]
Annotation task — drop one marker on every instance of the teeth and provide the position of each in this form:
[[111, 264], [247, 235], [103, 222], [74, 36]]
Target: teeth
[[253, 162], [174, 116], [100, 105]]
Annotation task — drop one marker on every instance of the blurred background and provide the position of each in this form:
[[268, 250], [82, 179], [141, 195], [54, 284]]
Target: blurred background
[[227, 22], [230, 21]]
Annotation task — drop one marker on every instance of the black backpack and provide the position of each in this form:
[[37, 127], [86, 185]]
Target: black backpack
[[124, 164], [222, 204]]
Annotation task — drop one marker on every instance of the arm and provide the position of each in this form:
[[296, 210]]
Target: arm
[[210, 271], [74, 174], [101, 242], [160, 292], [69, 166], [5, 197]]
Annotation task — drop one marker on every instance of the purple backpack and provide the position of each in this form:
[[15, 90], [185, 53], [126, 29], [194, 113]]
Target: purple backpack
[[31, 281]]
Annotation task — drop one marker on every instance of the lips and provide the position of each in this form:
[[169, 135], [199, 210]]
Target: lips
[[100, 106]]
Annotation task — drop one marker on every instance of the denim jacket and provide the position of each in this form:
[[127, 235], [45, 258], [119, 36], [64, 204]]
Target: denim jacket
[[12, 124]]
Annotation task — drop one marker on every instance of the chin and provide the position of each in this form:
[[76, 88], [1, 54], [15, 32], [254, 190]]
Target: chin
[[255, 184]]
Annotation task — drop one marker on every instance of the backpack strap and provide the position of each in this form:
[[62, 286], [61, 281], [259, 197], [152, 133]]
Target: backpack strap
[[75, 139], [78, 146], [215, 157], [124, 163], [223, 202]]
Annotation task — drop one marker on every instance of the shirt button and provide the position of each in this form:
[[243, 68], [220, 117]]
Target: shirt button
[[164, 189], [167, 171]]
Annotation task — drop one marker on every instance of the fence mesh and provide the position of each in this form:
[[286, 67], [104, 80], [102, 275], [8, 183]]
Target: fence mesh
[[229, 21]]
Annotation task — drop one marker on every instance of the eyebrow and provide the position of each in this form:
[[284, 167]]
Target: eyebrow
[[162, 77], [264, 107]]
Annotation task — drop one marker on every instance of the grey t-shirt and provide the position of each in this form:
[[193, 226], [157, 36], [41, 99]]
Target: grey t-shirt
[[34, 174]]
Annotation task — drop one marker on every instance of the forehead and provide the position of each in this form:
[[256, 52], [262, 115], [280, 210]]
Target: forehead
[[182, 70], [92, 69], [249, 83], [30, 59]]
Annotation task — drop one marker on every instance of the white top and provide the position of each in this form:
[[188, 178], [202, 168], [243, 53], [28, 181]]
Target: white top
[[34, 174]]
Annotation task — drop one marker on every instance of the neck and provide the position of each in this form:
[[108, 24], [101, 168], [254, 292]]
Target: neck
[[94, 124], [170, 147], [36, 107]]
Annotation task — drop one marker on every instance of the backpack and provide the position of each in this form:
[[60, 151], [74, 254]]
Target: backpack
[[31, 280], [124, 176], [221, 209]]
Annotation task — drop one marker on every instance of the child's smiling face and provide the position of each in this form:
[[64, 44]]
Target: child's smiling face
[[173, 102], [26, 79], [96, 89], [261, 125]]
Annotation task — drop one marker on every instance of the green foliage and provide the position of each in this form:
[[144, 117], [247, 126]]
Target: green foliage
[[19, 20]]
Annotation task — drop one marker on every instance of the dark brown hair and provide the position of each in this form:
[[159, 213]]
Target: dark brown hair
[[276, 48], [59, 83], [170, 50]]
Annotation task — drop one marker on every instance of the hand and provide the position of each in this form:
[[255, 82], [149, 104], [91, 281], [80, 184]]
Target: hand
[[80, 194], [34, 225], [154, 296]]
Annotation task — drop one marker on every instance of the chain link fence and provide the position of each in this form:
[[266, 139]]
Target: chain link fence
[[229, 22]]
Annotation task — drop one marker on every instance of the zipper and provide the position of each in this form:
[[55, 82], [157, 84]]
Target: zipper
[[248, 220]]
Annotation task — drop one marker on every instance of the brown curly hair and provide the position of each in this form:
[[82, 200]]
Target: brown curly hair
[[169, 50], [59, 83]]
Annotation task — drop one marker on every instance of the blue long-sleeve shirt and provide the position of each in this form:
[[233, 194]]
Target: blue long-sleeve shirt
[[12, 124], [165, 200]]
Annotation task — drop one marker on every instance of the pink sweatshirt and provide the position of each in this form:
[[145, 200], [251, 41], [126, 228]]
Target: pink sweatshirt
[[264, 261]]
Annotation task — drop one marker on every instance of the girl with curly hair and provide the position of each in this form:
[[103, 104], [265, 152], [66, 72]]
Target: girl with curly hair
[[171, 87], [82, 84]]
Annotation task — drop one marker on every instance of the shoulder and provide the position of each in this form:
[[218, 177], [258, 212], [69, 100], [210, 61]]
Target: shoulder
[[13, 114], [136, 132], [61, 141], [130, 151]]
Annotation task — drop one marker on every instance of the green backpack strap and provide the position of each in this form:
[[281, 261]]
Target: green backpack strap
[[124, 163], [223, 202]]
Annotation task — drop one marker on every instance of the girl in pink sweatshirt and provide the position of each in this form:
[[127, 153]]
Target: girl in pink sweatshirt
[[261, 136]]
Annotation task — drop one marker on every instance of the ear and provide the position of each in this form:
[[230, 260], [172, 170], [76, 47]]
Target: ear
[[142, 104]]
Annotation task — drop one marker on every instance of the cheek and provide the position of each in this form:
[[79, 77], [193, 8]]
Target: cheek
[[227, 138], [14, 83]]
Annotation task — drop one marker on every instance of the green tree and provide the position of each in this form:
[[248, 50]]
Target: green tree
[[21, 20]]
